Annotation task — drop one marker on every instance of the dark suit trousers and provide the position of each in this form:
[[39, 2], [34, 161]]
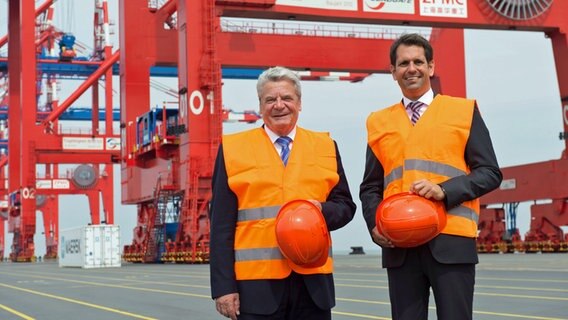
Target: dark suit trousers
[[296, 304], [409, 287]]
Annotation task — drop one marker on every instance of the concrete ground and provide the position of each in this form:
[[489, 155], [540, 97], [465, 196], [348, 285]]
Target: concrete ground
[[508, 286]]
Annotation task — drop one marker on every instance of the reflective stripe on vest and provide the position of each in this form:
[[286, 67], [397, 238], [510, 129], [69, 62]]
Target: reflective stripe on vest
[[262, 184], [258, 254], [394, 175], [262, 254], [258, 213], [432, 149], [433, 167]]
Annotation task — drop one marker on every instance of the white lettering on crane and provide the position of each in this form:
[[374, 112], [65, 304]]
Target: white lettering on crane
[[566, 114], [444, 8], [196, 94], [460, 2], [28, 193], [211, 97]]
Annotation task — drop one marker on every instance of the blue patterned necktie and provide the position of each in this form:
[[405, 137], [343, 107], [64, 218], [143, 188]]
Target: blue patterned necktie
[[284, 142], [415, 107]]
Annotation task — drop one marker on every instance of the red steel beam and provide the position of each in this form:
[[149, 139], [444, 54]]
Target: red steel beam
[[449, 48], [168, 8], [249, 3], [29, 136], [137, 51], [163, 37], [200, 110], [54, 115], [479, 15], [14, 113], [302, 52], [54, 61], [560, 51], [2, 224], [22, 90], [340, 54], [542, 180], [100, 157], [44, 6]]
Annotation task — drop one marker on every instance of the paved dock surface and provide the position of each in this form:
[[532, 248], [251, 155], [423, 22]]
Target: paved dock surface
[[510, 286]]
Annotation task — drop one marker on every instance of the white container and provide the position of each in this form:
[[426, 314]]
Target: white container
[[94, 246]]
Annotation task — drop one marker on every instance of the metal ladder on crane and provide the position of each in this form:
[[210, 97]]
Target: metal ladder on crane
[[156, 240]]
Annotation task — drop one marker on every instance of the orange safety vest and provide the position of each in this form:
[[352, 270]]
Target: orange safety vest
[[263, 184], [433, 149]]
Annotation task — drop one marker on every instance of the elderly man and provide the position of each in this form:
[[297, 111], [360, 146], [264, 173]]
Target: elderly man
[[256, 172]]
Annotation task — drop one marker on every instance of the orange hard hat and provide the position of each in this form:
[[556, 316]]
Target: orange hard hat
[[409, 220], [302, 234]]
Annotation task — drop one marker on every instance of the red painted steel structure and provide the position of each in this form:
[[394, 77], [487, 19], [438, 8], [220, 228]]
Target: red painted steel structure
[[104, 58], [2, 231], [522, 183], [530, 182], [147, 178], [44, 37], [182, 167], [33, 142], [22, 93], [3, 204], [340, 55], [42, 8], [480, 15], [198, 38]]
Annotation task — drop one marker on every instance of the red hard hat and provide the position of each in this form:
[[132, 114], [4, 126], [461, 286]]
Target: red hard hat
[[409, 220], [302, 234]]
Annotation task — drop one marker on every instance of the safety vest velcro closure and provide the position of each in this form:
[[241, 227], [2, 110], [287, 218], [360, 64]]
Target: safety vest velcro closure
[[263, 254], [258, 213]]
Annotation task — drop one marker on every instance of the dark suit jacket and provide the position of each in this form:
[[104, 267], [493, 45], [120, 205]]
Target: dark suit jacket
[[263, 296], [484, 177]]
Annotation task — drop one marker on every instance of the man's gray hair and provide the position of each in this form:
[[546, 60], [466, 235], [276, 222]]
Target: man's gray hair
[[278, 74]]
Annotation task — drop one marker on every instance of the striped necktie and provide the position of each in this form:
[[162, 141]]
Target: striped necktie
[[284, 142], [415, 107]]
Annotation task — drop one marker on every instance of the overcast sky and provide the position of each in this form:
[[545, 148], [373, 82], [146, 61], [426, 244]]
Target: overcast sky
[[510, 73]]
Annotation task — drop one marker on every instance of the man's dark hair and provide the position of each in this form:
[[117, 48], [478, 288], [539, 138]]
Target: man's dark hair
[[412, 39]]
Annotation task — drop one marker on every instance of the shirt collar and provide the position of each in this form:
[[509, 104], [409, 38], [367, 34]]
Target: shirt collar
[[273, 136], [426, 98]]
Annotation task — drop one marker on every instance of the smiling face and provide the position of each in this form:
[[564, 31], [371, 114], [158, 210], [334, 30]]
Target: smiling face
[[412, 71], [280, 106]]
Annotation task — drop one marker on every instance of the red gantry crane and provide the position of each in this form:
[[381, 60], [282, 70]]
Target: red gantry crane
[[172, 216], [167, 154], [544, 183], [52, 65], [173, 203], [35, 136]]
